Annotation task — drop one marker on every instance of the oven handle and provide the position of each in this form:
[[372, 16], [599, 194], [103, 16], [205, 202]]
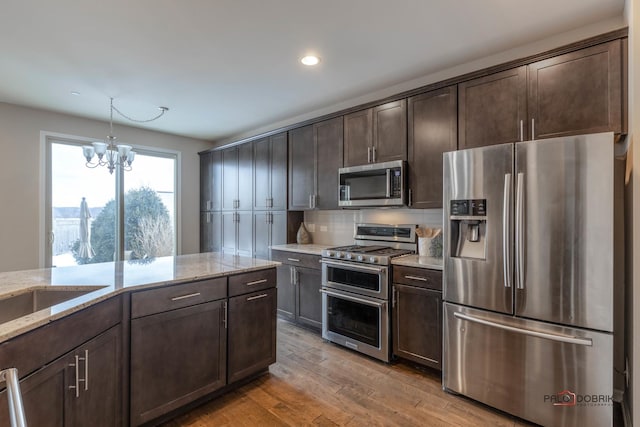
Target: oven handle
[[353, 266], [353, 299]]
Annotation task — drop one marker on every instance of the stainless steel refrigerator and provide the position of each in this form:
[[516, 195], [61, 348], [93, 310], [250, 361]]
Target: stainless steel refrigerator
[[529, 270]]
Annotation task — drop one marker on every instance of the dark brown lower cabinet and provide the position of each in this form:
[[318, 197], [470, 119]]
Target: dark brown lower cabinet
[[81, 388], [252, 333], [417, 324], [176, 357], [299, 284]]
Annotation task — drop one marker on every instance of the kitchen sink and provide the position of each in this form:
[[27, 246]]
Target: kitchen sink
[[37, 299]]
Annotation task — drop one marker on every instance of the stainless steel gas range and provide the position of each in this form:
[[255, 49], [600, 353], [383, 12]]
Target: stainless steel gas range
[[355, 287]]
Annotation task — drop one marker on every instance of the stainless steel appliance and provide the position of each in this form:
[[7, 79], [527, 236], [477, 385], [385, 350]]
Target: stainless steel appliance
[[529, 278], [355, 287], [377, 184]]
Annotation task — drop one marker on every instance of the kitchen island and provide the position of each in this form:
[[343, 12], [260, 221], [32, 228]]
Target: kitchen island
[[132, 343]]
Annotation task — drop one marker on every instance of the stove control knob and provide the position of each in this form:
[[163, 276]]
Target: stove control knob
[[338, 254], [329, 254], [348, 256], [360, 258], [373, 260]]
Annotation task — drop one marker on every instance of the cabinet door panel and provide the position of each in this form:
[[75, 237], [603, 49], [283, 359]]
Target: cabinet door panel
[[229, 236], [210, 231], [216, 177], [279, 171], [261, 231], [432, 132], [43, 396], [229, 178], [99, 405], [358, 137], [390, 131], [492, 108], [329, 145], [417, 325], [245, 234], [206, 181], [308, 285], [577, 93], [286, 292], [278, 228], [301, 168], [252, 333], [245, 177], [176, 357], [262, 173]]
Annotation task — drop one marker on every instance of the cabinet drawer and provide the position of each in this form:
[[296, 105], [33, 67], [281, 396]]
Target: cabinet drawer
[[420, 277], [144, 303], [296, 258], [251, 282]]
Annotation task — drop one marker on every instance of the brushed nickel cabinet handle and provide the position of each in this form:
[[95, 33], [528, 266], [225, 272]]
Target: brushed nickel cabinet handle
[[533, 129], [422, 279], [374, 154], [77, 380], [368, 154], [224, 314], [86, 370], [521, 130], [256, 282], [293, 259], [195, 294], [256, 297]]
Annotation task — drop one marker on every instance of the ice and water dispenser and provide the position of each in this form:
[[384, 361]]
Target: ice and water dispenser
[[468, 228]]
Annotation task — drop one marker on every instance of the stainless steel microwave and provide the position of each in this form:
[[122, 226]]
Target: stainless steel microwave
[[377, 184]]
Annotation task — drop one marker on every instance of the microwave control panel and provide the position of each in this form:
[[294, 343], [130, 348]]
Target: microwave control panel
[[396, 183]]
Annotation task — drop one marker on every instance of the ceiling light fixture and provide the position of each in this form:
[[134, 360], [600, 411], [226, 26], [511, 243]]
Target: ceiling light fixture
[[109, 154], [310, 60], [74, 93]]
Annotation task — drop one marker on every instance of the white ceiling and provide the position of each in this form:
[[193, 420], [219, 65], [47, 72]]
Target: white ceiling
[[224, 67]]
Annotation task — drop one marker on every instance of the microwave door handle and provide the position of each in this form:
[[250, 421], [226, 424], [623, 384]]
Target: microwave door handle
[[388, 183]]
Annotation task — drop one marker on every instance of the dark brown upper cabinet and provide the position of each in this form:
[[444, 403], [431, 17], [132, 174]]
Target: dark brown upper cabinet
[[237, 178], [315, 155], [493, 109], [375, 135], [432, 131], [576, 93], [302, 173], [270, 173], [211, 181]]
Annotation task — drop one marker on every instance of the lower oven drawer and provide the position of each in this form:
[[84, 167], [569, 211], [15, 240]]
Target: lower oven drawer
[[357, 322]]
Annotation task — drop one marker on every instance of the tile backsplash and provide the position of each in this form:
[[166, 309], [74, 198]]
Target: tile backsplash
[[337, 227]]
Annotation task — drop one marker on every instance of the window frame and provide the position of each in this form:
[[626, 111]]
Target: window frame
[[46, 179]]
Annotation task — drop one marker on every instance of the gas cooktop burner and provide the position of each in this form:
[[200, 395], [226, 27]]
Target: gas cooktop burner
[[402, 237], [366, 254]]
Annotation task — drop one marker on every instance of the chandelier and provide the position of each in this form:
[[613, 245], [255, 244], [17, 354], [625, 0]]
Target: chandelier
[[110, 154]]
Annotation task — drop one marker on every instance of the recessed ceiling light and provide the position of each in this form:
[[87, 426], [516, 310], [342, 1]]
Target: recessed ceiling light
[[74, 93], [310, 60]]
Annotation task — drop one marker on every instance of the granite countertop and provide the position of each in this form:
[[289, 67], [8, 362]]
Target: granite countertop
[[109, 279], [311, 249], [418, 261]]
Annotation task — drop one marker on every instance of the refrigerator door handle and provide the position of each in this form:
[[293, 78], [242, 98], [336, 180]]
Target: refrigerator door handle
[[520, 231], [569, 339], [506, 231]]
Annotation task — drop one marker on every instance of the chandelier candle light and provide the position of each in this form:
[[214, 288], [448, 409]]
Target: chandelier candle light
[[112, 155]]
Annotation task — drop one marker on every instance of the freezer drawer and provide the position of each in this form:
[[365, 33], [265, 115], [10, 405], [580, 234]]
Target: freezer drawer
[[548, 374]]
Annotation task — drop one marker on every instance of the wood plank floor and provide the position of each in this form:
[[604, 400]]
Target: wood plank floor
[[319, 383]]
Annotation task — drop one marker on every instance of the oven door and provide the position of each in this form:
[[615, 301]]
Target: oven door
[[356, 322], [362, 279]]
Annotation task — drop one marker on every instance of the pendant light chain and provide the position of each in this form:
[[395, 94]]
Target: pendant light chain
[[162, 111]]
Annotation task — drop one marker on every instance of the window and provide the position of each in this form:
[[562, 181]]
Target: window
[[128, 215]]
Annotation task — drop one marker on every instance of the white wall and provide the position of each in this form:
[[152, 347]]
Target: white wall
[[20, 177]]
